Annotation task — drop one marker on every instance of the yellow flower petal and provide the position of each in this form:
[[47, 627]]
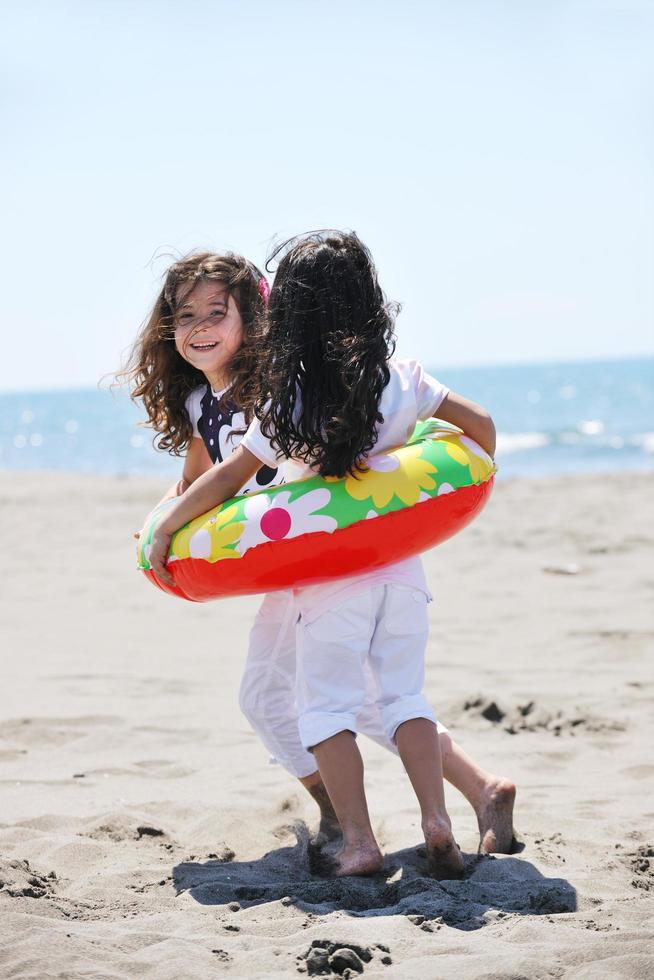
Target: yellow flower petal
[[479, 467], [410, 477], [222, 532]]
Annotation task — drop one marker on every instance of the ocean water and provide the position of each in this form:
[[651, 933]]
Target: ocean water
[[584, 417]]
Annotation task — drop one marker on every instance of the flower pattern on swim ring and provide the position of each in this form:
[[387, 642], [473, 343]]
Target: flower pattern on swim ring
[[273, 519], [475, 458], [194, 540], [386, 478]]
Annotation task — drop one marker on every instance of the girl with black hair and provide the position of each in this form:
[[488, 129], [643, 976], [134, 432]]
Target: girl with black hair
[[328, 393]]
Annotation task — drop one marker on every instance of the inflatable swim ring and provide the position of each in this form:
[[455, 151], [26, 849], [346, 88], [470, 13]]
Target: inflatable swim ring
[[301, 533]]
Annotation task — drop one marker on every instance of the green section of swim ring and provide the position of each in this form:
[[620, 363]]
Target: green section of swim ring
[[436, 459]]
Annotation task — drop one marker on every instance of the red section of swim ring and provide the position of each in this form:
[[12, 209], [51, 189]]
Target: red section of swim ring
[[318, 557]]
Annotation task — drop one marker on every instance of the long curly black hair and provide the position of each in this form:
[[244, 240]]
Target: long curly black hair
[[323, 364]]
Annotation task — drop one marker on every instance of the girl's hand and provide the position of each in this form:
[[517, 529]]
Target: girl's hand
[[159, 547]]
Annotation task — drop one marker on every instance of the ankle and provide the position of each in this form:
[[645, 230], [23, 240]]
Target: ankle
[[316, 788], [435, 820], [358, 839]]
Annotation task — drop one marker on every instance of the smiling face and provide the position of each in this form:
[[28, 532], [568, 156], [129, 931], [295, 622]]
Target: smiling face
[[208, 329]]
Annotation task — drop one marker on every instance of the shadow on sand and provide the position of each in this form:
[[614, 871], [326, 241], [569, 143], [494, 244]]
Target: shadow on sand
[[490, 887]]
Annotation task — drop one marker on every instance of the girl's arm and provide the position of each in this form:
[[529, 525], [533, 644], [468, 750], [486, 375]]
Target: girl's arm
[[472, 418], [197, 462], [219, 483]]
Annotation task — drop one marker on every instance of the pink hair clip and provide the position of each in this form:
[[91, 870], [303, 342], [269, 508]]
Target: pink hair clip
[[264, 289]]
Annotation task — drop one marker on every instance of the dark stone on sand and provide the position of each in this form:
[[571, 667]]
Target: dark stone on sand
[[331, 947], [492, 712], [345, 959], [224, 854], [386, 960], [318, 963], [145, 831], [326, 958]]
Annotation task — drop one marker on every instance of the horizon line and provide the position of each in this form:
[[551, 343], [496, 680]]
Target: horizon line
[[500, 365]]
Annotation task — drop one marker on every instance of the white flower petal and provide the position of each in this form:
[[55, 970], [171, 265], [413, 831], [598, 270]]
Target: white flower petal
[[383, 463], [322, 523], [200, 544], [445, 488], [474, 447], [310, 502], [256, 506]]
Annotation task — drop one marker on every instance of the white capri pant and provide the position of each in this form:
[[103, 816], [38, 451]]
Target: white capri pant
[[268, 689]]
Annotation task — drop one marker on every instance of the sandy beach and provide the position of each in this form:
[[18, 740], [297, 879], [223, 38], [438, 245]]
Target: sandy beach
[[144, 833]]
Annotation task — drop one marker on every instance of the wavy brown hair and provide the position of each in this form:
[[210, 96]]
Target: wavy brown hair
[[323, 361], [159, 376]]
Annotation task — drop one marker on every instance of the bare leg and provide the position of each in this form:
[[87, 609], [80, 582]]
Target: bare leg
[[491, 797], [419, 748], [341, 768], [329, 828]]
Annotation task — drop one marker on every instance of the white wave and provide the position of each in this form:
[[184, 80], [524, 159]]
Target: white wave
[[516, 442], [591, 427], [645, 441]]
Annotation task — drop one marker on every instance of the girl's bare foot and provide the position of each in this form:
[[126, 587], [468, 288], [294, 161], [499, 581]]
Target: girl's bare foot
[[351, 859], [495, 817], [443, 852]]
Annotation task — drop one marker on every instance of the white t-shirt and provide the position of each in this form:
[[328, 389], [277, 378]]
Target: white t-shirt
[[411, 395]]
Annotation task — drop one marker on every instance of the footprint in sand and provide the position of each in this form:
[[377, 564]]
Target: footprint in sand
[[641, 864], [153, 768], [638, 772], [549, 848], [118, 830], [19, 880], [533, 717], [51, 732]]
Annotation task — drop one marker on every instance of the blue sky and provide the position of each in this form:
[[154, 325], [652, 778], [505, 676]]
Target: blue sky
[[495, 156]]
